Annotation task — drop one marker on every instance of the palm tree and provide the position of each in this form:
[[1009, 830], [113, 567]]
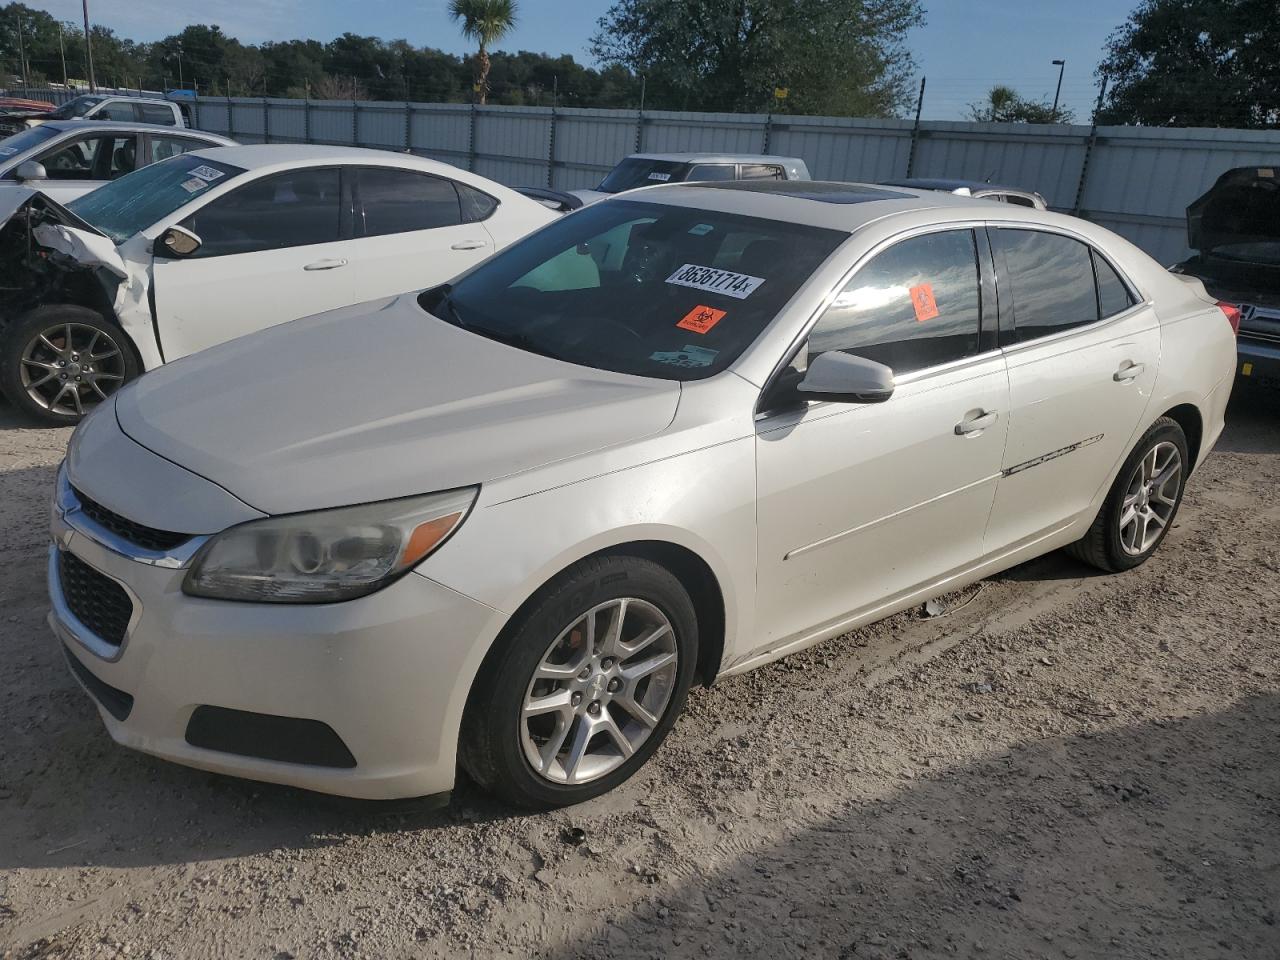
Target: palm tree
[[487, 22]]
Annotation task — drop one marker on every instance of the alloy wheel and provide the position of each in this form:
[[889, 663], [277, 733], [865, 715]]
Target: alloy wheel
[[70, 367], [1151, 497], [599, 691]]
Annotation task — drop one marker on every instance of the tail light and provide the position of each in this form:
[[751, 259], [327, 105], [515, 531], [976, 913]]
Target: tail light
[[1232, 313]]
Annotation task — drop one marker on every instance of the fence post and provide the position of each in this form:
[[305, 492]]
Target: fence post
[[266, 120], [551, 150], [355, 122], [915, 131], [1088, 151], [408, 127], [471, 139], [768, 130], [306, 119], [639, 131], [231, 118]]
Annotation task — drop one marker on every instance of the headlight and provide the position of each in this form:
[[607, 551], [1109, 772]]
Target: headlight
[[326, 556]]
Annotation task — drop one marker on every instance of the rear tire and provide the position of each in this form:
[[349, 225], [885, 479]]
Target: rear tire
[[58, 362], [569, 704], [1142, 504]]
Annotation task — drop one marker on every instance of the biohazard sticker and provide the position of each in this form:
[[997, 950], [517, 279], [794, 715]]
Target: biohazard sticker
[[209, 174], [736, 285], [701, 319], [922, 299]]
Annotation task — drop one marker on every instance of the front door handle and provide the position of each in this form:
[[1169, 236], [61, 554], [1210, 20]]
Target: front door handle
[[976, 423], [1128, 372], [469, 244], [325, 265]]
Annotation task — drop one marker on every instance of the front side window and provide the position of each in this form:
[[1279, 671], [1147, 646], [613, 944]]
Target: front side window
[[640, 288], [761, 171], [640, 172], [1050, 280], [399, 201], [293, 209], [711, 171], [101, 157], [131, 204], [916, 305]]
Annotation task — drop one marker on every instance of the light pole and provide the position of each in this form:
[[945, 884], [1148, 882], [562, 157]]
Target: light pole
[[1062, 66], [62, 50], [22, 56], [88, 49]]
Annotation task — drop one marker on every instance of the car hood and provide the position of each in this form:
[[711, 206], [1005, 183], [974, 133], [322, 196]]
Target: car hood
[[378, 401]]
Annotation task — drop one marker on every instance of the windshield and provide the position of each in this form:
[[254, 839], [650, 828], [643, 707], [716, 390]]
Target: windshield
[[640, 288], [75, 108], [24, 141], [126, 206], [639, 172]]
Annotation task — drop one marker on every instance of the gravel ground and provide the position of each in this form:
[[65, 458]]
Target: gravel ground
[[1065, 765]]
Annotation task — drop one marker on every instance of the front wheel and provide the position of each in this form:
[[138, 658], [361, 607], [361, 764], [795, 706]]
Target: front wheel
[[584, 686], [1142, 503], [58, 362]]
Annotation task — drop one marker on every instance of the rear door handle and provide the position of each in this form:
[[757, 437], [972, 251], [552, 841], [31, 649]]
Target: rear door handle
[[976, 423], [469, 245], [325, 265], [1128, 372]]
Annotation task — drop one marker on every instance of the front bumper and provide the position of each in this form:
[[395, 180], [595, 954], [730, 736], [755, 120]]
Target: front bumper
[[387, 673]]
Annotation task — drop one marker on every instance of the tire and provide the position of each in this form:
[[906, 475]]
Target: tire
[[1112, 546], [530, 761], [68, 330]]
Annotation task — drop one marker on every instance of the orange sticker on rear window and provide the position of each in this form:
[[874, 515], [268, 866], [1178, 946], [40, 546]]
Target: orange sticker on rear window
[[701, 319], [922, 299]]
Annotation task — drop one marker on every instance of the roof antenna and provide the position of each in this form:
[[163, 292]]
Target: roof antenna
[[989, 176]]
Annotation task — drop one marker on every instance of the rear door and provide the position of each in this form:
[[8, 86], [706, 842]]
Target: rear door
[[417, 230], [1082, 353], [273, 250]]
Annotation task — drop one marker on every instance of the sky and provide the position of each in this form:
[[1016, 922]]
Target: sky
[[965, 47]]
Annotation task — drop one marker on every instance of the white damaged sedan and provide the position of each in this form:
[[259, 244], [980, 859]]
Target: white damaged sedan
[[662, 440], [216, 243]]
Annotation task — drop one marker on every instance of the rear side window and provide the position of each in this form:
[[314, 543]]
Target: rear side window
[[291, 209], [154, 113], [1051, 282], [760, 171], [1113, 295], [120, 110], [397, 201], [711, 171], [162, 147], [916, 305], [476, 206]]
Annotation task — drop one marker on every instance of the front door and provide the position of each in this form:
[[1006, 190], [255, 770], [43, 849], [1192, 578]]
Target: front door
[[271, 251], [861, 504]]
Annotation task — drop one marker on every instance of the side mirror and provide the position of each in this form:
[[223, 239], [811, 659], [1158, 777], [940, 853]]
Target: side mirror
[[31, 170], [843, 378], [179, 242]]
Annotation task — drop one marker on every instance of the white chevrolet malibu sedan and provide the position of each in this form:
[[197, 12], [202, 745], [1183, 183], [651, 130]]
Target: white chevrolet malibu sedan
[[505, 523]]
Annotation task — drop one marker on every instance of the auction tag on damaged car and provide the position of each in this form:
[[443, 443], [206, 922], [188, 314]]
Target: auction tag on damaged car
[[208, 174], [736, 285]]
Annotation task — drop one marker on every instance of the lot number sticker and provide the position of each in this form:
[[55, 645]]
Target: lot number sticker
[[207, 173], [922, 299], [701, 319], [736, 285], [663, 177]]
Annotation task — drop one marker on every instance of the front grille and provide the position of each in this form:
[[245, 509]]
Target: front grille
[[97, 601], [148, 538]]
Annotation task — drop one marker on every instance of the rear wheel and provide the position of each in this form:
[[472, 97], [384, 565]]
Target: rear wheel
[[58, 362], [584, 687], [1142, 503]]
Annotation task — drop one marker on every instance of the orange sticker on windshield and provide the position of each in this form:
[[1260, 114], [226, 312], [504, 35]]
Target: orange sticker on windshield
[[922, 299], [701, 319]]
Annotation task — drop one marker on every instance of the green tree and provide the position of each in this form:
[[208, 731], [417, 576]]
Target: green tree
[[1195, 63], [1005, 105], [486, 22], [843, 57]]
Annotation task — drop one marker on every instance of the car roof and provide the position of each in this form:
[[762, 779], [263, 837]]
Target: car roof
[[259, 156], [715, 158], [99, 126], [947, 183], [829, 204]]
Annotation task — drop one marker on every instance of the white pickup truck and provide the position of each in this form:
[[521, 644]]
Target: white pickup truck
[[97, 106]]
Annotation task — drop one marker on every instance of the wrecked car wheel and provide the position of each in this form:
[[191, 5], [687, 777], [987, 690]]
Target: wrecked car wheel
[[58, 362]]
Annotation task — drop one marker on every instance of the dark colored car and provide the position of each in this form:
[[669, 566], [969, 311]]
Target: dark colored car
[[1235, 229]]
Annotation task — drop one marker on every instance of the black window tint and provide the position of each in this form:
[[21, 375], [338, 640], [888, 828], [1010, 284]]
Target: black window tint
[[711, 171], [287, 210], [154, 113], [119, 110], [761, 171], [476, 206], [916, 305], [1113, 295], [1050, 280], [395, 201]]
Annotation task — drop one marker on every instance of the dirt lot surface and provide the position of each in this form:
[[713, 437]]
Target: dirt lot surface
[[1065, 765]]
